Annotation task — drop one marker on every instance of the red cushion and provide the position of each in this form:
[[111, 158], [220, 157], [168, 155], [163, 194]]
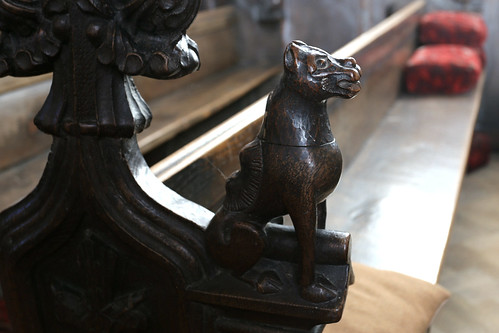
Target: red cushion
[[449, 69], [3, 312], [4, 319], [481, 148], [443, 27]]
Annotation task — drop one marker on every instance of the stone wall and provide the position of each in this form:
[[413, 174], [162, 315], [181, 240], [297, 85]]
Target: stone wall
[[330, 24]]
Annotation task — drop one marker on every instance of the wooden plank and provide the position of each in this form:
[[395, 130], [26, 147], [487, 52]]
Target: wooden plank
[[198, 170], [398, 197], [180, 110], [10, 83], [19, 181], [213, 31], [19, 138]]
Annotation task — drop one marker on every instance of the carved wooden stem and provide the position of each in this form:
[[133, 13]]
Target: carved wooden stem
[[89, 98], [90, 250]]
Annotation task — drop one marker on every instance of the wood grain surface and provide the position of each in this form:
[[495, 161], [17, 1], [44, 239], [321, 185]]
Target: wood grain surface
[[399, 195]]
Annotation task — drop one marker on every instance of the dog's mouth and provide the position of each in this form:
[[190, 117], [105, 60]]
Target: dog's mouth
[[346, 87], [351, 88]]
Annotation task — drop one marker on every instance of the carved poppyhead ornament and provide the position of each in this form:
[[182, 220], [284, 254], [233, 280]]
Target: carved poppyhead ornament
[[93, 46]]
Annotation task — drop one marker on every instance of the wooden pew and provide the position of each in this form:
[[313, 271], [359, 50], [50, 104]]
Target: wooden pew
[[358, 124], [214, 156], [404, 156]]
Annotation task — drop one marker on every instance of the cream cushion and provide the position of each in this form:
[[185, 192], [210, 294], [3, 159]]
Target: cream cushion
[[385, 302]]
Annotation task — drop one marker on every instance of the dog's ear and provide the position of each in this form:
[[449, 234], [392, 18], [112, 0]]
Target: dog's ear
[[291, 55]]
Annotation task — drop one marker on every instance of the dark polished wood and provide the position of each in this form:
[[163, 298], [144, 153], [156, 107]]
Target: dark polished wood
[[290, 168], [74, 251], [101, 245], [408, 189]]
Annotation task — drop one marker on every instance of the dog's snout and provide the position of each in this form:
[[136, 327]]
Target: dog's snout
[[355, 74], [350, 66], [349, 62]]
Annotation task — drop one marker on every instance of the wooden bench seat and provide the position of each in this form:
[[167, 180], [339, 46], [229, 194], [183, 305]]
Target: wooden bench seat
[[398, 196]]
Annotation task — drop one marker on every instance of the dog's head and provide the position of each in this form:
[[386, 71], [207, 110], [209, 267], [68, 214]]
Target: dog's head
[[316, 74]]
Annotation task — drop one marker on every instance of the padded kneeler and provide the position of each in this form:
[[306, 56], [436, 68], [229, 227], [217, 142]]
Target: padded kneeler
[[448, 69], [446, 27]]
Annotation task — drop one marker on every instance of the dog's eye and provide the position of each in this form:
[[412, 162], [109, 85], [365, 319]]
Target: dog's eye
[[321, 63]]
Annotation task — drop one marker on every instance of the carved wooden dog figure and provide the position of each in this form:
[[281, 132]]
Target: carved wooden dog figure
[[290, 168]]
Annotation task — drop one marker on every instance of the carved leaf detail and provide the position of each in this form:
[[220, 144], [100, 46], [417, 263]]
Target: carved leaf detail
[[93, 306], [95, 7], [240, 197], [32, 33], [70, 306], [132, 34]]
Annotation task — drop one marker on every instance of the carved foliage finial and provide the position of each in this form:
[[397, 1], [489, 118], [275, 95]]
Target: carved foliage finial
[[138, 36], [126, 33]]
